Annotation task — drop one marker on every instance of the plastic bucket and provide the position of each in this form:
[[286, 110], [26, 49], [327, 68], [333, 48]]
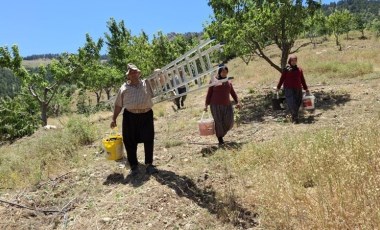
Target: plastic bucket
[[113, 145], [206, 126], [277, 101], [308, 101]]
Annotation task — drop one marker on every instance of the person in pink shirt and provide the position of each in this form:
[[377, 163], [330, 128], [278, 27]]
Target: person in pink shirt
[[293, 80], [218, 97]]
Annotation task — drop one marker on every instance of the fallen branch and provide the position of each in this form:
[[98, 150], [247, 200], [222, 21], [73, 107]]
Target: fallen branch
[[51, 180], [200, 143], [64, 207], [26, 207]]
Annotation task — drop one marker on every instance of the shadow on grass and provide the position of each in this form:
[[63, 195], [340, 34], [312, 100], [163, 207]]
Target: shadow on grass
[[258, 107], [228, 145], [229, 211], [135, 181], [330, 100]]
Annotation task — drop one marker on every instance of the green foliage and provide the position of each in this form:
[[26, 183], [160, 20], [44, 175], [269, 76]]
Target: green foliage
[[60, 104], [112, 78], [166, 48], [81, 130], [45, 82], [375, 26], [162, 50], [18, 117], [12, 61], [124, 48], [117, 42], [316, 26], [95, 75], [339, 23], [248, 26], [9, 84], [90, 66], [354, 6], [140, 53], [361, 22], [85, 106]]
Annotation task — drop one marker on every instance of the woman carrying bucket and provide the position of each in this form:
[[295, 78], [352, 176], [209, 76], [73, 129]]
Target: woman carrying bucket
[[135, 96], [293, 80], [218, 97]]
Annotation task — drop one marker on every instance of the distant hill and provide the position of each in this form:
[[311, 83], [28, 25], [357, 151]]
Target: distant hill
[[41, 56], [171, 35], [51, 56], [354, 6]]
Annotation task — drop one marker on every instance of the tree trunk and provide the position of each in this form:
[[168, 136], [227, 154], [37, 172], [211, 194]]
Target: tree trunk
[[44, 109], [285, 54], [57, 109], [108, 93], [286, 45], [363, 37], [98, 96], [336, 39]]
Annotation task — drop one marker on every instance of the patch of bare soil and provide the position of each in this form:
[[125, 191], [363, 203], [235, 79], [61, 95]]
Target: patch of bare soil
[[186, 193]]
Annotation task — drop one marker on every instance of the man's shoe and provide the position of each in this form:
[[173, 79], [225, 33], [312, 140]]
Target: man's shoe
[[134, 171], [151, 169]]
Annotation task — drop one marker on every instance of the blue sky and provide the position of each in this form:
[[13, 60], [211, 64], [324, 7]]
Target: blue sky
[[56, 26]]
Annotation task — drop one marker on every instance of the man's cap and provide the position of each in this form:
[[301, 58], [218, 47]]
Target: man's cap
[[131, 66]]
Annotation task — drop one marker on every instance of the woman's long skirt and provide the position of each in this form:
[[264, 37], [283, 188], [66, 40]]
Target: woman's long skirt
[[223, 117]]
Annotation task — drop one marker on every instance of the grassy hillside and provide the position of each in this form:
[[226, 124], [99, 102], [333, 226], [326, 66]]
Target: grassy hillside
[[35, 63], [320, 174]]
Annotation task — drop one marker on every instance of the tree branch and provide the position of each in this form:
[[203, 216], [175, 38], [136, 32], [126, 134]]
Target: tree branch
[[258, 50], [303, 45], [64, 207], [277, 42], [51, 180], [34, 94], [52, 95], [26, 207], [53, 86]]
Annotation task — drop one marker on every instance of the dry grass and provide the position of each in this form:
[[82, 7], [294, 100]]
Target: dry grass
[[44, 154], [35, 63], [323, 180], [323, 64]]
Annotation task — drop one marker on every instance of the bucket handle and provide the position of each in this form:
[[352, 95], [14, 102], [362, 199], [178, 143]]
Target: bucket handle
[[204, 114], [276, 95], [308, 94], [114, 131]]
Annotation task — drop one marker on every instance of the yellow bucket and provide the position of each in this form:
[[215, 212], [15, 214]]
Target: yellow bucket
[[113, 145]]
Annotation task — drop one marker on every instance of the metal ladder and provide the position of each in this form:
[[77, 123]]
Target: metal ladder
[[195, 65]]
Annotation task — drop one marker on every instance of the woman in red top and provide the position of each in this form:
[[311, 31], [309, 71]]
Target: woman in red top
[[218, 97], [293, 80]]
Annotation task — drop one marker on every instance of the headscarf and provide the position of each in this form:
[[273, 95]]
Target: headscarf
[[220, 70], [292, 67]]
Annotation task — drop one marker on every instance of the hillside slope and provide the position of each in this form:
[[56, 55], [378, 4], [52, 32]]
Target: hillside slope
[[201, 186]]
